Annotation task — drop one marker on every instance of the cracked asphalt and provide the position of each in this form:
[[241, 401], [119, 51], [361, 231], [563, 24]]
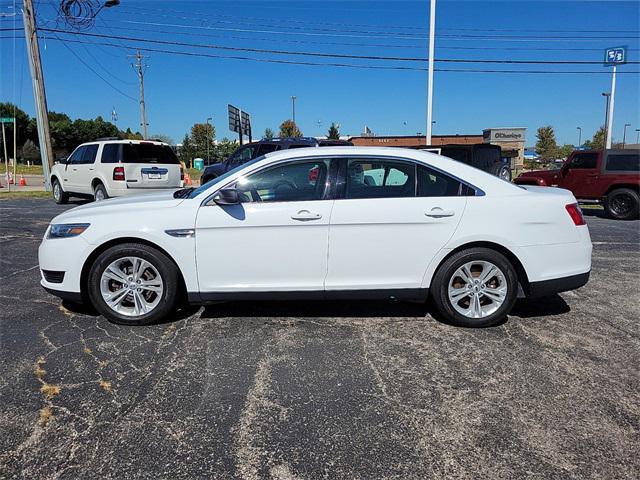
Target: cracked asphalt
[[320, 390]]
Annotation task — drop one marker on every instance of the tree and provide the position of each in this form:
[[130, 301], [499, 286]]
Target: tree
[[25, 126], [290, 129], [129, 135], [163, 138], [334, 133], [546, 146], [224, 149], [268, 134], [187, 152], [598, 141], [203, 135], [30, 152], [565, 150]]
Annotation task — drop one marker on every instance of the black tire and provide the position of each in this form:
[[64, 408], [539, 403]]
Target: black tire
[[503, 171], [59, 195], [622, 204], [100, 193], [445, 273], [164, 265]]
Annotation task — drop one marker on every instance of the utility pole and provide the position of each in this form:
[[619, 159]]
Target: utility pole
[[432, 49], [139, 67], [610, 110], [624, 134], [37, 81], [293, 107], [606, 118]]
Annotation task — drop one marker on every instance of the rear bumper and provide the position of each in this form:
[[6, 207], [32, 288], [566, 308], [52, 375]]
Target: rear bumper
[[557, 285]]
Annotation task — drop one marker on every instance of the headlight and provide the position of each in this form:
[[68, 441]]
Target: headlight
[[66, 230]]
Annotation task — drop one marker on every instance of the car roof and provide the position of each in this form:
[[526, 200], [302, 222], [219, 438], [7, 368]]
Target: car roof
[[117, 140]]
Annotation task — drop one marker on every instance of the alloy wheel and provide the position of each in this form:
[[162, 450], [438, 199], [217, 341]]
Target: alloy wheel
[[477, 289], [56, 191], [131, 286]]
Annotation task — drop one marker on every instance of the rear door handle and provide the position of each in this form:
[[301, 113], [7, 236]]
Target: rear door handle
[[437, 212], [306, 216]]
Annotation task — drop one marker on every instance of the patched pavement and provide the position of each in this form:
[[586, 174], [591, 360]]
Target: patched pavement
[[320, 390]]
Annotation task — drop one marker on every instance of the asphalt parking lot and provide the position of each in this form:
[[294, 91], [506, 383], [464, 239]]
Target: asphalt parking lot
[[320, 390]]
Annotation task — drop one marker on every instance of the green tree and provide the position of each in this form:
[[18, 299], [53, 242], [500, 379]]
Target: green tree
[[598, 141], [203, 135], [129, 135], [290, 129], [268, 134], [565, 150], [334, 133], [187, 152], [224, 149], [546, 146], [30, 152]]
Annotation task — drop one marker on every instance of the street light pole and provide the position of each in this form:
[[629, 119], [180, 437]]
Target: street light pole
[[579, 136], [208, 122], [432, 48], [610, 110], [637, 135], [293, 108], [624, 134], [606, 118]]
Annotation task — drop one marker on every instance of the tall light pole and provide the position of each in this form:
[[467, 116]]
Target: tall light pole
[[610, 109], [208, 123], [606, 118], [624, 134], [432, 48], [293, 108], [637, 135], [579, 136]]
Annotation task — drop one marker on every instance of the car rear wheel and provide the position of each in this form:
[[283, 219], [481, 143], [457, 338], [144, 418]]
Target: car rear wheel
[[475, 288], [100, 193], [504, 172], [622, 204], [133, 284], [59, 195]]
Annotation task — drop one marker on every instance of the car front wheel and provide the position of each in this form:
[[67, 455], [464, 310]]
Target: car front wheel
[[475, 288], [133, 284]]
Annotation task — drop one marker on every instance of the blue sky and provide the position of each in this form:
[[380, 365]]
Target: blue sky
[[181, 90]]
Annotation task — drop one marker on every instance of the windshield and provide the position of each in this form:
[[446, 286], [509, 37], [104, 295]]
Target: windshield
[[202, 188]]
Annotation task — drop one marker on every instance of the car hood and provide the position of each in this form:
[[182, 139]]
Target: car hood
[[541, 173], [142, 202]]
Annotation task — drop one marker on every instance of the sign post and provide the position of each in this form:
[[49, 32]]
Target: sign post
[[7, 174], [613, 56]]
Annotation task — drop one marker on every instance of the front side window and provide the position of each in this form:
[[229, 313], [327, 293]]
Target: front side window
[[76, 156], [89, 155], [292, 182], [584, 160], [380, 179]]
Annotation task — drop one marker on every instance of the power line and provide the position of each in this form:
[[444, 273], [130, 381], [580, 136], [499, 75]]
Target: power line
[[345, 65], [327, 55]]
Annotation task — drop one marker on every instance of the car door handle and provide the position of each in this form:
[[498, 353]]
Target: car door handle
[[437, 212], [306, 216]]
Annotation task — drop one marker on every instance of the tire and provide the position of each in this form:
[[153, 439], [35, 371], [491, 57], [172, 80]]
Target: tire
[[503, 172], [622, 204], [160, 298], [59, 195], [99, 193], [491, 309]]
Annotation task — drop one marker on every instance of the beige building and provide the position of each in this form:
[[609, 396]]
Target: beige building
[[511, 140]]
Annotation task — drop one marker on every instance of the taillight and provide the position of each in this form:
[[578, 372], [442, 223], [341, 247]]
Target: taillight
[[118, 173], [575, 213]]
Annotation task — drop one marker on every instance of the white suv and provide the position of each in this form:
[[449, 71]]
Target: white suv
[[111, 168]]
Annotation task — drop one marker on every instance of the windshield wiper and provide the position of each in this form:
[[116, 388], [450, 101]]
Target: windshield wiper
[[183, 192]]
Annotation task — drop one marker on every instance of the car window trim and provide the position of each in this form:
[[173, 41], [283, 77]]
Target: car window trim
[[341, 176]]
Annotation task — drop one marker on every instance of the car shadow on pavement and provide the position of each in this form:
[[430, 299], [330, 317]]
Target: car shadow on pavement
[[540, 307], [594, 212]]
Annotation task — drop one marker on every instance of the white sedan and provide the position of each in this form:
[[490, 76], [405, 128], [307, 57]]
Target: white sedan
[[329, 223]]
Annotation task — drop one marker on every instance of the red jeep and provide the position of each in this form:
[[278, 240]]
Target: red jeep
[[610, 177]]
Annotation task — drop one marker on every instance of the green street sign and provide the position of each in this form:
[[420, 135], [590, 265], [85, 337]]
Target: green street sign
[[6, 119]]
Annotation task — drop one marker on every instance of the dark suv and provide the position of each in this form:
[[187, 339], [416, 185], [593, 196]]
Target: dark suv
[[257, 149]]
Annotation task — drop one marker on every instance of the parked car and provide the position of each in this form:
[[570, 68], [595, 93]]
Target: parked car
[[257, 149], [610, 177], [484, 156], [110, 167], [326, 223]]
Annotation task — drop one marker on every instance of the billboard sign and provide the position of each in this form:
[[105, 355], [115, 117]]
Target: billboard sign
[[234, 119], [245, 122]]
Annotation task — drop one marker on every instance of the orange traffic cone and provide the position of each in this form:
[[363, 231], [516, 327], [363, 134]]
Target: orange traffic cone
[[23, 182], [187, 179]]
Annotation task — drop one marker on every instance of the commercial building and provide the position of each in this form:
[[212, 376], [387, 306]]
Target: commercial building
[[511, 140]]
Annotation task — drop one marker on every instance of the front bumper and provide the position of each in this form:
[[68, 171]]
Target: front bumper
[[63, 255], [557, 285]]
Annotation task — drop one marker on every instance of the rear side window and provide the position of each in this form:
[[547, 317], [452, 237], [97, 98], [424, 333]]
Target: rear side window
[[585, 160], [623, 162], [380, 179], [148, 153], [110, 153], [267, 148], [89, 155], [435, 184]]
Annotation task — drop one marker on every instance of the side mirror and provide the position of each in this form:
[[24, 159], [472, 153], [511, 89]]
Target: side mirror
[[227, 196]]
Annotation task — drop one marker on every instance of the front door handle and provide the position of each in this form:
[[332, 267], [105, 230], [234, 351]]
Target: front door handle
[[306, 216], [437, 212]]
